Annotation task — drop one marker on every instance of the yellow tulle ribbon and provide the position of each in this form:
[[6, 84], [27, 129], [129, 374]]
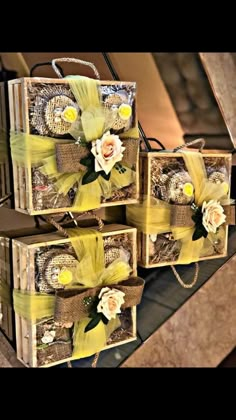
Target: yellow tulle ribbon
[[33, 305], [153, 215], [33, 150], [89, 272]]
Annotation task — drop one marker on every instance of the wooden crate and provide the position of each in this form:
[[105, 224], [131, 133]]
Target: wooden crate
[[24, 256], [5, 187], [143, 240], [20, 103]]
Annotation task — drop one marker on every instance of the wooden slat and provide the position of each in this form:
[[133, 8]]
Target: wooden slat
[[16, 186], [4, 322], [6, 307], [3, 107], [11, 106], [16, 281], [7, 178], [9, 282], [24, 286], [32, 328], [21, 171]]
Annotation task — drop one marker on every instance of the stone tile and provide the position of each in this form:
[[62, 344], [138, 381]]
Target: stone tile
[[151, 316], [7, 354], [201, 333]]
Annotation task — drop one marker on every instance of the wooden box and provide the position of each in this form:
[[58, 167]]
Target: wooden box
[[5, 184], [25, 95], [27, 252], [152, 166]]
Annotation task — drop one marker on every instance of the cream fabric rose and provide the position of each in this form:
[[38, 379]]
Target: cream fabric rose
[[110, 303], [48, 337], [107, 151], [213, 215]]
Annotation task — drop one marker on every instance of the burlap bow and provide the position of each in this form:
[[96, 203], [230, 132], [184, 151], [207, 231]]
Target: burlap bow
[[70, 303]]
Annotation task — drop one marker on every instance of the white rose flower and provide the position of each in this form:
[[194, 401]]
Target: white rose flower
[[107, 151], [110, 303], [48, 337], [213, 215]]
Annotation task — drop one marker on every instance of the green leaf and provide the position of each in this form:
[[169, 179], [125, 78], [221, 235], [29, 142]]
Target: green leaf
[[93, 323], [42, 346], [197, 235], [104, 319], [195, 218], [104, 175], [88, 161], [199, 232], [89, 176], [205, 233]]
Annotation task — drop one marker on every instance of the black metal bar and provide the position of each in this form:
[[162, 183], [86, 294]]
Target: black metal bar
[[46, 63]]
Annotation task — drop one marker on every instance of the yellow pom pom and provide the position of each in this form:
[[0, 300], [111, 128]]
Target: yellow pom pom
[[125, 111], [70, 114], [65, 276], [188, 189]]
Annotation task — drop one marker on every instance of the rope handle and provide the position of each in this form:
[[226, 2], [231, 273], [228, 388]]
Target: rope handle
[[184, 285], [95, 360], [73, 60], [90, 213], [191, 143], [61, 229]]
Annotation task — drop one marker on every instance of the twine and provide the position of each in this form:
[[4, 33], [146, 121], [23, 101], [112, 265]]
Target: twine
[[73, 60]]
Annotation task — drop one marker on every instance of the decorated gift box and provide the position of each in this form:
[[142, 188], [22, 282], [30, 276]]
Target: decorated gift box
[[186, 209], [74, 142], [74, 296]]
